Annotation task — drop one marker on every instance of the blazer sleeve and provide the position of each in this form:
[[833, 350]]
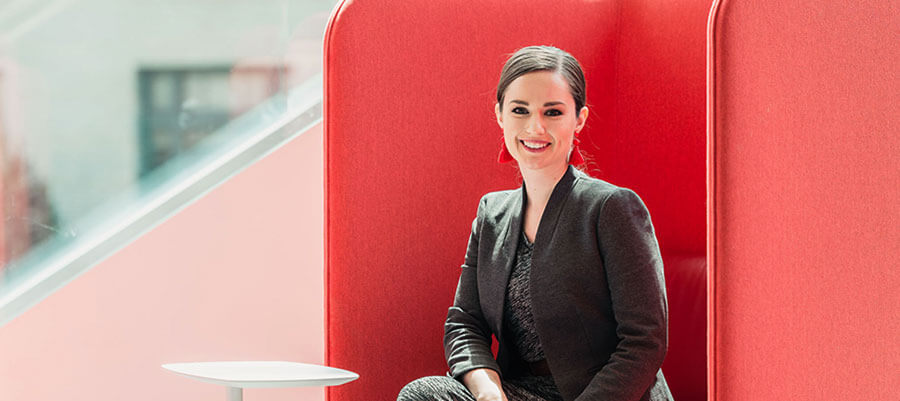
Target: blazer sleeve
[[634, 271], [467, 337]]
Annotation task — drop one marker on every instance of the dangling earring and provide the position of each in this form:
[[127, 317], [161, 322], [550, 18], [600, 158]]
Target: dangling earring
[[575, 157], [505, 156]]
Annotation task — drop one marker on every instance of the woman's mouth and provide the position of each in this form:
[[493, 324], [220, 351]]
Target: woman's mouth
[[535, 146]]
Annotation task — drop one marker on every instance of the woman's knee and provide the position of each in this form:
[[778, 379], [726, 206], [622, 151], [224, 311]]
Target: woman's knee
[[433, 388]]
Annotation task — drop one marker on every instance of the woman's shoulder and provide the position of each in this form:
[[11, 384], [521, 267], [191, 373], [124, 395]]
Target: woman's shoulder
[[595, 190], [500, 196], [499, 200], [499, 205], [585, 183]]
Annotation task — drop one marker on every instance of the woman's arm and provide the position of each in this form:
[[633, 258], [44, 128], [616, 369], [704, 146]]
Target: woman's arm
[[467, 337], [634, 271], [484, 384]]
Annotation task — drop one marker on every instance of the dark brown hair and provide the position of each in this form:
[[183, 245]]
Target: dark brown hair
[[543, 58]]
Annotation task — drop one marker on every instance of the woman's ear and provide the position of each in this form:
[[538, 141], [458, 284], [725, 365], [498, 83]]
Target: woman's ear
[[499, 114], [582, 117]]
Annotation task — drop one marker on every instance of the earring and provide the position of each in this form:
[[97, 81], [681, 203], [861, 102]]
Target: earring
[[575, 157], [505, 156]]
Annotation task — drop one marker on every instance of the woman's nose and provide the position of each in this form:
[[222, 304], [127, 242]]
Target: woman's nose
[[535, 126]]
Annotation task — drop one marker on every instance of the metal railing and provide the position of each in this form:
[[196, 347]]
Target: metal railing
[[158, 196]]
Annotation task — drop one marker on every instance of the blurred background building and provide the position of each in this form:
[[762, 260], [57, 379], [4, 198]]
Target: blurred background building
[[97, 94], [115, 115]]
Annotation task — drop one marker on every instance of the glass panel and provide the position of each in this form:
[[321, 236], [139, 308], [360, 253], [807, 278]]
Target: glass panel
[[105, 102]]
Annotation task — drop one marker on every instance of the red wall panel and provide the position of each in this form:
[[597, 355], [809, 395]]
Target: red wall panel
[[804, 200]]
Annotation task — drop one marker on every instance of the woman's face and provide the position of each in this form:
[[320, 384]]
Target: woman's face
[[539, 120]]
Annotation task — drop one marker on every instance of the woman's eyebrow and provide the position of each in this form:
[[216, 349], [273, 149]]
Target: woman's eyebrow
[[548, 104]]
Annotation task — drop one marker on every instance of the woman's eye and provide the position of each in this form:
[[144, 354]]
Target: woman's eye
[[553, 112], [519, 110]]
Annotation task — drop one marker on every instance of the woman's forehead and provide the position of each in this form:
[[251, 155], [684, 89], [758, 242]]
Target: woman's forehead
[[539, 87]]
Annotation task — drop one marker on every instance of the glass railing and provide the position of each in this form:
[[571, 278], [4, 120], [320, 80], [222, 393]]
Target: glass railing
[[116, 114]]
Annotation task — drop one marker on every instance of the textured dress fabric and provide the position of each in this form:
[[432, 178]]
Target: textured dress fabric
[[519, 322], [517, 317], [446, 388]]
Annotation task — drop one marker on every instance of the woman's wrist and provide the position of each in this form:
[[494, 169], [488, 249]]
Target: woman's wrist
[[484, 384]]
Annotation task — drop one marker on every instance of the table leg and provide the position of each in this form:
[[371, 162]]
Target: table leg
[[235, 394]]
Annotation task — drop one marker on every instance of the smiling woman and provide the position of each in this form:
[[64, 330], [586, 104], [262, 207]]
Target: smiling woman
[[540, 120], [546, 76], [565, 271]]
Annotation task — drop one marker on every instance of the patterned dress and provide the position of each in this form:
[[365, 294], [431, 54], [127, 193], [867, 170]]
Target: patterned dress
[[519, 323]]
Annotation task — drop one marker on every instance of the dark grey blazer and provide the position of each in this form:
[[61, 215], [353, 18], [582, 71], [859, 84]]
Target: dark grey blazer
[[597, 292]]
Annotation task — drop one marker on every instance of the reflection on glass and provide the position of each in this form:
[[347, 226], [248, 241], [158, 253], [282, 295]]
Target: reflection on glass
[[98, 97]]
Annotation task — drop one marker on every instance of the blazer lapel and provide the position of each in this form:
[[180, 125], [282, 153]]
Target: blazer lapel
[[505, 257], [509, 240], [558, 197]]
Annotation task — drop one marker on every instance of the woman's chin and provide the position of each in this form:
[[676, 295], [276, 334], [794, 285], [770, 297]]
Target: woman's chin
[[539, 162]]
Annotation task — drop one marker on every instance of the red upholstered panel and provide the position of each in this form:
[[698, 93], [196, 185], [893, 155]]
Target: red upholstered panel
[[805, 216], [685, 364], [658, 147], [411, 144]]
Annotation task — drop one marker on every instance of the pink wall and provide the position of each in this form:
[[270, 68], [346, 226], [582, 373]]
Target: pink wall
[[235, 276]]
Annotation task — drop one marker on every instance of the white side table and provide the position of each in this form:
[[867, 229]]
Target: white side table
[[238, 375]]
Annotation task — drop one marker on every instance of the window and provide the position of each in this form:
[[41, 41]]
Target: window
[[149, 107], [182, 106]]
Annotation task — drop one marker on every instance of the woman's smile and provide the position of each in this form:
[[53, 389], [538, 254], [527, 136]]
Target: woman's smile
[[535, 146], [539, 119]]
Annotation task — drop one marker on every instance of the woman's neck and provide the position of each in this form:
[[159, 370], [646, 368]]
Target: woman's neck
[[539, 184]]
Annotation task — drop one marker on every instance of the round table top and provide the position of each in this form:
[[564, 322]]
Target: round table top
[[245, 374]]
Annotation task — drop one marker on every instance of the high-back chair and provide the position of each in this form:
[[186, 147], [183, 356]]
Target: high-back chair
[[804, 101], [411, 145]]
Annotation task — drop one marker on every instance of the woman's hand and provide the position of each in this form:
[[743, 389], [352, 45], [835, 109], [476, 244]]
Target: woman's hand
[[484, 384]]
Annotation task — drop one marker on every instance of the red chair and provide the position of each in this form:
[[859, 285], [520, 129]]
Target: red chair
[[804, 200], [409, 125]]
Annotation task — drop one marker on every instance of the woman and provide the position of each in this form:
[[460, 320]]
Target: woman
[[564, 271]]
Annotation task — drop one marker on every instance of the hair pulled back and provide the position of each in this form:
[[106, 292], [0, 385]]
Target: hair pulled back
[[543, 58]]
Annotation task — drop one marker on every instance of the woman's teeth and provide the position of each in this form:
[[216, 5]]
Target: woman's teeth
[[535, 145]]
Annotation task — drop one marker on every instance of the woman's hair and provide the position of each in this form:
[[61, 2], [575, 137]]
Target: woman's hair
[[543, 58]]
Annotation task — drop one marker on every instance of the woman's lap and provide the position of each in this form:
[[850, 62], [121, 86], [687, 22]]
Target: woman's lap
[[446, 388], [435, 388]]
